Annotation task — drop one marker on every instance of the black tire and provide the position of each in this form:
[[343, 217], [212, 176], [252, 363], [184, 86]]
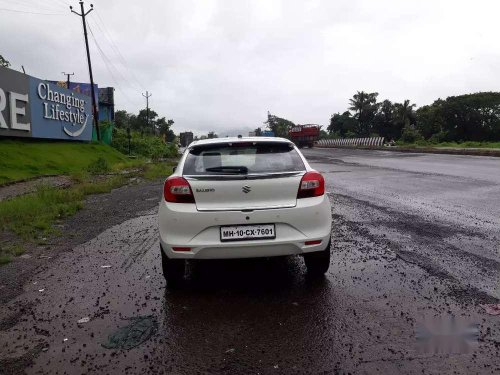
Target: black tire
[[317, 263], [173, 269]]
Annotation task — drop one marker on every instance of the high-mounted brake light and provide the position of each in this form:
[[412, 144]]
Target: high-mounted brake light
[[241, 144], [311, 185], [177, 190]]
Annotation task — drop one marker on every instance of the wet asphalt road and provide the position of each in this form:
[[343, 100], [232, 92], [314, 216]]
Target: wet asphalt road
[[413, 235]]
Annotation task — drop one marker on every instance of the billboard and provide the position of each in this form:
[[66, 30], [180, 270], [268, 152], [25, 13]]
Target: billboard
[[31, 107]]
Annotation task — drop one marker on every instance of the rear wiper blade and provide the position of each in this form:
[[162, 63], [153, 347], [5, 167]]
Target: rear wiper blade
[[229, 169]]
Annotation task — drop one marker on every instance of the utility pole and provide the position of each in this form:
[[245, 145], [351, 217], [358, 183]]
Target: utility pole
[[68, 75], [94, 104], [147, 96]]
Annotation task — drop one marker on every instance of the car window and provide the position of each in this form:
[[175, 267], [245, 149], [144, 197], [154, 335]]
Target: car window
[[243, 158]]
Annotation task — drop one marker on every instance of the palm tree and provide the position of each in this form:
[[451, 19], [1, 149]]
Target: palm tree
[[405, 112], [361, 102], [364, 105]]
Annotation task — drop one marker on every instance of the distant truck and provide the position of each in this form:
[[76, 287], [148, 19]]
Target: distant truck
[[267, 133], [304, 135]]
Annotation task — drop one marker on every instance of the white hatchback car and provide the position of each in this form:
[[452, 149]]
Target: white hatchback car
[[243, 198]]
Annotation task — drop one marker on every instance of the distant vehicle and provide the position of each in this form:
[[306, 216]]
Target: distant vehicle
[[267, 133], [304, 135], [243, 198]]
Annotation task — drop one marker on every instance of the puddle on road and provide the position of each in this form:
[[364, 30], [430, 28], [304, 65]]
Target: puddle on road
[[137, 331]]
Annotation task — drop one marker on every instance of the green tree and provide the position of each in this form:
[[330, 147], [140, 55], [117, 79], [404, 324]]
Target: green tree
[[4, 62], [429, 121], [384, 121], [142, 124], [404, 117], [405, 113], [364, 105], [122, 119], [163, 127], [474, 117], [471, 117], [279, 126], [342, 124]]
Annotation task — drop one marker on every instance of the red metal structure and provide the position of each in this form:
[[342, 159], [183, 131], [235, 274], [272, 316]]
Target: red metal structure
[[305, 135]]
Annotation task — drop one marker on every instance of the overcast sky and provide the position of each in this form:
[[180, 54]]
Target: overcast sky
[[221, 65]]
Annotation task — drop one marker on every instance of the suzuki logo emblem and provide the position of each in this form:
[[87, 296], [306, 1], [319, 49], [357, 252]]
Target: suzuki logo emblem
[[246, 189]]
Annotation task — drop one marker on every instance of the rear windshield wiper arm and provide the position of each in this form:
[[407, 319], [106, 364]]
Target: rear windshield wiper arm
[[229, 169]]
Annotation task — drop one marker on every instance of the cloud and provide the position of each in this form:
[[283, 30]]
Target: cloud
[[221, 65]]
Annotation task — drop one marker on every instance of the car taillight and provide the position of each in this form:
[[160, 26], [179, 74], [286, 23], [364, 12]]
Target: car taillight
[[311, 185], [177, 190]]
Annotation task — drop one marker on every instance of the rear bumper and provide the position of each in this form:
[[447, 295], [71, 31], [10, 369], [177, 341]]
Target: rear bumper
[[235, 250], [181, 225]]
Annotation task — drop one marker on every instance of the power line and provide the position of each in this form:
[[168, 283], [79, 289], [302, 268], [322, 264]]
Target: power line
[[107, 64], [62, 2], [28, 12], [46, 7], [113, 45], [124, 78], [113, 66], [108, 36]]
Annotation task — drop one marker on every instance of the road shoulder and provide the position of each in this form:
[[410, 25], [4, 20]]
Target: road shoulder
[[100, 212]]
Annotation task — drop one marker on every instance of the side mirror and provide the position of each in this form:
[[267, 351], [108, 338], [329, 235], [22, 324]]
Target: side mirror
[[173, 169]]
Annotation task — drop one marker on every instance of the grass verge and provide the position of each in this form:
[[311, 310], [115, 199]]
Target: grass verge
[[21, 160], [492, 145], [154, 171], [30, 218]]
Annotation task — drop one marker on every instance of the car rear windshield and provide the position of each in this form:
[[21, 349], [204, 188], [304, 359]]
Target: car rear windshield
[[243, 158]]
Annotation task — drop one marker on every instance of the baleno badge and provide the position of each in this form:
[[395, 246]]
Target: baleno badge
[[207, 190]]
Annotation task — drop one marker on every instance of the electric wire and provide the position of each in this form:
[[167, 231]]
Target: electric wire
[[105, 60], [121, 75], [62, 2], [29, 12], [115, 67], [45, 7], [115, 48]]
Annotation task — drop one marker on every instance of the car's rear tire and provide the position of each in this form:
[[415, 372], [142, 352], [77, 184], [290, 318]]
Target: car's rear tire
[[173, 269], [317, 263]]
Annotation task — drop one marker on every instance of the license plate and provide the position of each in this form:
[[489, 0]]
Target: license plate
[[247, 232]]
